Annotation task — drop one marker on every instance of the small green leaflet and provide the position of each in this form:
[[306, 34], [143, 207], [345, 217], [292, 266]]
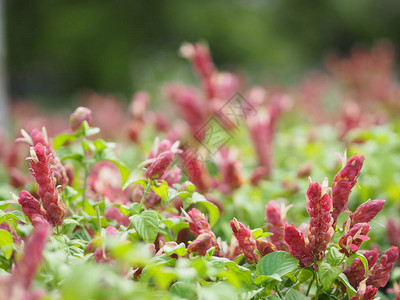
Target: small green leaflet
[[328, 274], [6, 243]]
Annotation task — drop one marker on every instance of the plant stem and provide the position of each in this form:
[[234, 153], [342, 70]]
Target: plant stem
[[85, 167], [309, 286], [278, 291], [145, 193]]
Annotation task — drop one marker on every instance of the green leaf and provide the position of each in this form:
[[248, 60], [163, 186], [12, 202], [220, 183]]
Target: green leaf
[[349, 288], [328, 274], [134, 180], [161, 190], [364, 262], [179, 250], [295, 295], [61, 139], [6, 243], [242, 273], [278, 262], [15, 215], [261, 278], [185, 290], [146, 225], [212, 209], [334, 257]]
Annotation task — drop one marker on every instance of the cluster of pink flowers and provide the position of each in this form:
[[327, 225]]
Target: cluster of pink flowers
[[54, 209]]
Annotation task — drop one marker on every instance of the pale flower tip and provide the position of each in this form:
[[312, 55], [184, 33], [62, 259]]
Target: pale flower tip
[[45, 136], [26, 137], [15, 197], [187, 50]]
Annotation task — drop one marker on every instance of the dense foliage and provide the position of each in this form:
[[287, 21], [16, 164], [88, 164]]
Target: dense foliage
[[222, 205]]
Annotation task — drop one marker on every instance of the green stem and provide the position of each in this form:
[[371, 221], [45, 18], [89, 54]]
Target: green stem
[[145, 193], [309, 286], [278, 291], [85, 167]]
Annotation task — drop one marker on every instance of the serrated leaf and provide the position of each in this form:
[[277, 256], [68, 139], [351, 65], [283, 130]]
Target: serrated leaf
[[328, 274], [146, 224], [6, 243], [278, 262]]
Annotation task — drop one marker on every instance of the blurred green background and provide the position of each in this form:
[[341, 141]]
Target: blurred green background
[[57, 48]]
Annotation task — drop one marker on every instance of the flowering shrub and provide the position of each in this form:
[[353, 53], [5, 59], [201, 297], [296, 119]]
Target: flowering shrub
[[192, 216]]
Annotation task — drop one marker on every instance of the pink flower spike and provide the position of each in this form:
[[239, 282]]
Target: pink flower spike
[[198, 223], [31, 208], [355, 273], [276, 220], [343, 183], [366, 211], [265, 247], [319, 206], [26, 267], [201, 244], [46, 181], [365, 292], [246, 241], [297, 245], [160, 165], [380, 272]]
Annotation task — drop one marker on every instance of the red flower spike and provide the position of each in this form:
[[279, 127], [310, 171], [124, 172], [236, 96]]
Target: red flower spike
[[26, 267], [366, 211], [319, 207], [160, 165], [201, 244], [297, 245], [80, 115], [31, 208], [393, 232], [227, 161], [265, 247], [380, 272], [355, 273], [351, 241], [276, 219], [43, 174], [198, 223], [246, 241], [343, 183]]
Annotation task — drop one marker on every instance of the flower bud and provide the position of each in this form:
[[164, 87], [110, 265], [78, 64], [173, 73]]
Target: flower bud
[[246, 241], [343, 183], [198, 223], [276, 220], [366, 211], [160, 165], [80, 115]]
